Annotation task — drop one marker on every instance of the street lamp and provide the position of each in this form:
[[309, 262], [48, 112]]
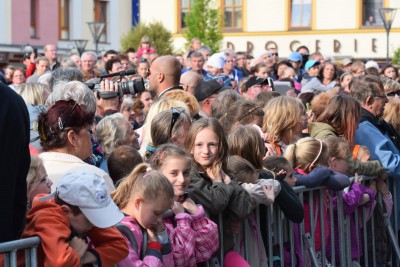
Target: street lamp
[[80, 45], [387, 16], [96, 29]]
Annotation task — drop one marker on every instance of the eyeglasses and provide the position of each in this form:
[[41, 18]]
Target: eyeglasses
[[274, 54], [61, 124], [175, 116], [393, 93], [143, 60], [383, 97]]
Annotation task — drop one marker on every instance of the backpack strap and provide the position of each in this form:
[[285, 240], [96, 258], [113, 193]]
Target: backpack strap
[[128, 234]]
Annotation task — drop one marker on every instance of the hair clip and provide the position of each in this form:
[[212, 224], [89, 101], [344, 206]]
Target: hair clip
[[150, 148], [60, 123]]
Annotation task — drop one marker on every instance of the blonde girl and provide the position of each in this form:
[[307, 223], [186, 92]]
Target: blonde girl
[[309, 157], [144, 196], [210, 185], [194, 237]]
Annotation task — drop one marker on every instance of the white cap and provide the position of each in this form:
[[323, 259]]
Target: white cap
[[371, 64], [217, 60], [88, 191]]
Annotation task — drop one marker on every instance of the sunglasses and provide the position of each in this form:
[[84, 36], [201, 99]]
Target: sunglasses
[[393, 93], [143, 60], [175, 116], [274, 54]]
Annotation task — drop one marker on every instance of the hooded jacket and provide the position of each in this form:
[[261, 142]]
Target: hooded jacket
[[47, 220]]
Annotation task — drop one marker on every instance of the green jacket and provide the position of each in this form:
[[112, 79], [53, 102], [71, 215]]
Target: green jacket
[[321, 130]]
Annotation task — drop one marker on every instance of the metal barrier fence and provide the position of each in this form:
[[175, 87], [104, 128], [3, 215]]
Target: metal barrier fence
[[324, 236], [9, 250], [329, 233]]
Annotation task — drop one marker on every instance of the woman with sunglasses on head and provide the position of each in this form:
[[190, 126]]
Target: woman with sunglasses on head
[[168, 126], [65, 135]]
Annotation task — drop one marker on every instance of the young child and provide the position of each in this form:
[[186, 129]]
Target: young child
[[143, 68], [353, 197], [361, 153], [288, 202], [310, 158], [144, 196], [194, 237], [80, 207], [263, 193], [211, 186], [37, 180], [122, 161]]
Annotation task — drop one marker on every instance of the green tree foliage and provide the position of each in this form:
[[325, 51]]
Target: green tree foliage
[[161, 38], [396, 57], [205, 23]]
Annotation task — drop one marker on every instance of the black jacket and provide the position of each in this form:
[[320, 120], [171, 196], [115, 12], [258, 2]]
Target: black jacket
[[14, 163]]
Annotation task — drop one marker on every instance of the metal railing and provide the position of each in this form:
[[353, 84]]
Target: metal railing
[[9, 250], [326, 206], [284, 236]]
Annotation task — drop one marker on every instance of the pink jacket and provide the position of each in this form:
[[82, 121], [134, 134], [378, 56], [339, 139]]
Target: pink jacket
[[153, 258], [194, 238]]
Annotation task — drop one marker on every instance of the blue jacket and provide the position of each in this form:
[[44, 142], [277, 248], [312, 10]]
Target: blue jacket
[[376, 134], [383, 144]]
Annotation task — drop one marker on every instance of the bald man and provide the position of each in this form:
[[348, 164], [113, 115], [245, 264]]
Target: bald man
[[164, 75], [190, 81]]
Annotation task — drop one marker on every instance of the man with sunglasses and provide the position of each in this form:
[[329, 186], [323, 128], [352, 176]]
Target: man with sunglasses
[[256, 85], [373, 132], [164, 75], [273, 52]]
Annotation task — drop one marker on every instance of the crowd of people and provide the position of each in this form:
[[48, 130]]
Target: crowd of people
[[208, 138]]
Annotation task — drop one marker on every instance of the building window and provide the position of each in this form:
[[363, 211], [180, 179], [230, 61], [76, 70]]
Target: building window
[[185, 7], [370, 12], [34, 9], [300, 16], [100, 15], [233, 14], [63, 31]]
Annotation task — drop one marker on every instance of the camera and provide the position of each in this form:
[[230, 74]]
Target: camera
[[131, 87]]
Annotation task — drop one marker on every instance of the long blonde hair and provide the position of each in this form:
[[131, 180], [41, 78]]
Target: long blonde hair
[[149, 184], [282, 114]]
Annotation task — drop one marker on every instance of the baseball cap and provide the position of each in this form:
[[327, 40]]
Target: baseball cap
[[346, 61], [208, 88], [295, 57], [255, 80], [26, 55], [371, 64], [311, 63], [217, 60], [88, 191]]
